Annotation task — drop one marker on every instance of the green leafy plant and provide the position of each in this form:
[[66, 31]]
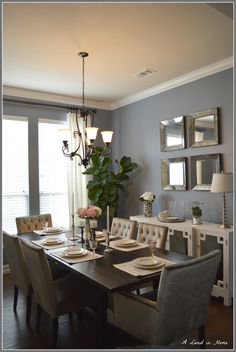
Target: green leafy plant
[[196, 212], [106, 185]]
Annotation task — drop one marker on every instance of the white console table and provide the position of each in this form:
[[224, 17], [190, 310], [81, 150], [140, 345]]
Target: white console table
[[202, 239]]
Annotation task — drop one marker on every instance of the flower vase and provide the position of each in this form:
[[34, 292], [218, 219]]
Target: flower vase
[[147, 209]]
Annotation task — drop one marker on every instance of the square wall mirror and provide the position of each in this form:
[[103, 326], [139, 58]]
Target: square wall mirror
[[202, 168], [172, 136], [173, 174], [203, 128]]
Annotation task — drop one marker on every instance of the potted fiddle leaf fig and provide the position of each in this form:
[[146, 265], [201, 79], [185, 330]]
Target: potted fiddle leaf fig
[[104, 189]]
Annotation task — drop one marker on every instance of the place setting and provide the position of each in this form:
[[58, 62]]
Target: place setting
[[73, 255], [51, 242], [49, 230], [127, 245], [144, 265]]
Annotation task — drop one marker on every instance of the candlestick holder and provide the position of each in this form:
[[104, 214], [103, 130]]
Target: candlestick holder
[[107, 237], [73, 238], [81, 234]]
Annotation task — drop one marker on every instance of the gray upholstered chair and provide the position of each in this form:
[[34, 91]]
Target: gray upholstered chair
[[66, 295], [181, 306], [123, 227], [148, 232], [26, 224], [19, 272], [30, 223]]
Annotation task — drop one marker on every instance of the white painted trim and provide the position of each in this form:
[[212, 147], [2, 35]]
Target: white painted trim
[[6, 269], [15, 92], [178, 81]]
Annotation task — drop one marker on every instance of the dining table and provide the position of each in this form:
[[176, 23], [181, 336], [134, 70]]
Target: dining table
[[101, 272]]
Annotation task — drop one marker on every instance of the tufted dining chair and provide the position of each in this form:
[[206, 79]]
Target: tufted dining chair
[[30, 223], [123, 227], [56, 297], [180, 307], [148, 232], [26, 224], [19, 271]]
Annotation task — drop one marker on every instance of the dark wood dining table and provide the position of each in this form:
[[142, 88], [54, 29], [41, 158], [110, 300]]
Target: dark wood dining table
[[103, 275], [101, 271]]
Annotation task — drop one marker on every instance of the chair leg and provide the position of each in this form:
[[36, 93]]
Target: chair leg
[[15, 297], [28, 309], [202, 336], [39, 312], [54, 330]]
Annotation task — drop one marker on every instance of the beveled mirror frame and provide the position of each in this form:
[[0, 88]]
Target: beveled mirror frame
[[191, 123], [193, 170], [165, 174], [163, 124]]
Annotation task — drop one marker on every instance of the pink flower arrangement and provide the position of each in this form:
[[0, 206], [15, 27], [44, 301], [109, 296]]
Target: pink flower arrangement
[[89, 212]]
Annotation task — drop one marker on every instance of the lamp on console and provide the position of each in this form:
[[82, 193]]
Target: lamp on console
[[222, 183]]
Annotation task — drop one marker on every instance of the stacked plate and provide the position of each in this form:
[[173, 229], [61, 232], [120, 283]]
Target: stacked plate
[[171, 219], [147, 263], [74, 252], [126, 243], [99, 234], [53, 240], [54, 230]]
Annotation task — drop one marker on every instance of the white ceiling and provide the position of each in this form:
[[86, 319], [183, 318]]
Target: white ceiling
[[41, 42]]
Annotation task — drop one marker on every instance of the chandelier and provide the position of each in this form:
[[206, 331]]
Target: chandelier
[[84, 141]]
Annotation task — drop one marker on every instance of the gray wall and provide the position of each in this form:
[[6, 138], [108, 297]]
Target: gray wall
[[136, 134]]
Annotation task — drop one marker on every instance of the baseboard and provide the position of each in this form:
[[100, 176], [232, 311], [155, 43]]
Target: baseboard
[[6, 269]]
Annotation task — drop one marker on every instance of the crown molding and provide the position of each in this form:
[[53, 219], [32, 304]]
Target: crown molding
[[178, 81], [174, 83], [31, 94]]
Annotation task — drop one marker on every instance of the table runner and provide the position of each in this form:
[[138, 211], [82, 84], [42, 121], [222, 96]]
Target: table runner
[[129, 268], [88, 256]]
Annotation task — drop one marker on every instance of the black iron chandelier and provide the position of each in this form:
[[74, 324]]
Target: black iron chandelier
[[84, 142]]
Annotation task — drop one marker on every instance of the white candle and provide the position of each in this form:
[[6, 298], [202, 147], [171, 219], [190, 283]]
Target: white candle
[[93, 224], [72, 208], [81, 223], [108, 226]]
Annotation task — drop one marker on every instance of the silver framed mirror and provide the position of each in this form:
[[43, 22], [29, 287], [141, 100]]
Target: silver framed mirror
[[203, 128], [202, 168], [173, 174], [172, 134]]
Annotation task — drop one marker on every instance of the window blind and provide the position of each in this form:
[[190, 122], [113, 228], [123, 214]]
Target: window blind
[[53, 174], [15, 179]]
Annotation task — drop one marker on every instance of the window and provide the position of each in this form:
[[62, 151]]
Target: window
[[53, 173], [15, 200]]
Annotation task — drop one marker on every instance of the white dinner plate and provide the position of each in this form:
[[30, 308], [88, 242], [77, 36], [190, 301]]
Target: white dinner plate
[[54, 230], [74, 252], [126, 243], [147, 263], [99, 234], [53, 240]]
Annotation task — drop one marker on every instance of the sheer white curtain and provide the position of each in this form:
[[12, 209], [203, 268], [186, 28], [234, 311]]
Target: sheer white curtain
[[77, 182]]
